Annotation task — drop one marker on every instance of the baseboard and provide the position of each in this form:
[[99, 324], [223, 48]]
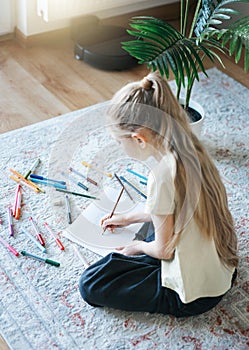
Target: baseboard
[[169, 12], [20, 37], [47, 38], [6, 37]]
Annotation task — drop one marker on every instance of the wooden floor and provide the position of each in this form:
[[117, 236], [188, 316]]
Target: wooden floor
[[45, 80]]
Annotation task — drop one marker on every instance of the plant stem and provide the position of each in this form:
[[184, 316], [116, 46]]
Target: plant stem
[[181, 15], [185, 18], [178, 92], [190, 87], [198, 5], [188, 92]]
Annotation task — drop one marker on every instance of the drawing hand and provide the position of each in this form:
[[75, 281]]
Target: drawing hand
[[113, 222]]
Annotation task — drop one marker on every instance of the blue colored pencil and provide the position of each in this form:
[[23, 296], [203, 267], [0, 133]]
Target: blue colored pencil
[[78, 183], [48, 183], [32, 238], [39, 177], [137, 174], [134, 187]]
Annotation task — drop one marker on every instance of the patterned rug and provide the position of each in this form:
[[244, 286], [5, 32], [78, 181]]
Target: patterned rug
[[40, 305]]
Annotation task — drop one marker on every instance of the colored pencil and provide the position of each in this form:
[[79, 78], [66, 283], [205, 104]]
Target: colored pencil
[[115, 206], [96, 169], [75, 193]]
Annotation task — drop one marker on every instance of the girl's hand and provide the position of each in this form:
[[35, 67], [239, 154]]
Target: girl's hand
[[113, 222], [119, 220], [133, 248]]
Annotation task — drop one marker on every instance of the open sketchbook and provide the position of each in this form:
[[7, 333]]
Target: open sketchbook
[[86, 229]]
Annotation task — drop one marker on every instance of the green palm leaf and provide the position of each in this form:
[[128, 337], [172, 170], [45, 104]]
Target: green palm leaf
[[233, 38], [212, 12], [164, 48], [238, 34]]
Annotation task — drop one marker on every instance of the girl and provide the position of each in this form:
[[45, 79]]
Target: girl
[[187, 260]]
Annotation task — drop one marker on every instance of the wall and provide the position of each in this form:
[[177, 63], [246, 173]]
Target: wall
[[242, 7], [29, 23], [7, 17]]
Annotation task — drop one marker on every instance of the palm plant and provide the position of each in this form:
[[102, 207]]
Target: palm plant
[[164, 48]]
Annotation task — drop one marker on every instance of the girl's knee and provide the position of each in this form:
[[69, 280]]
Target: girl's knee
[[82, 287], [86, 289]]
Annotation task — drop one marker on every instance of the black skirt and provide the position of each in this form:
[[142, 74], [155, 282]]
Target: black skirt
[[133, 283]]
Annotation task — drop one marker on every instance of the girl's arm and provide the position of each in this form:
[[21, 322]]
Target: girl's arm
[[118, 220], [164, 230]]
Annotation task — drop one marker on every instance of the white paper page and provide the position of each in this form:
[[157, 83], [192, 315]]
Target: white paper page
[[86, 229]]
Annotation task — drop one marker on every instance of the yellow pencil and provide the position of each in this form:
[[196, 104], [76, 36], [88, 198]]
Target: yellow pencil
[[26, 181], [21, 182], [96, 169]]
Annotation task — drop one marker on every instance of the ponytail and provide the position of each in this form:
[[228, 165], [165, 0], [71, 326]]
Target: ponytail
[[146, 84]]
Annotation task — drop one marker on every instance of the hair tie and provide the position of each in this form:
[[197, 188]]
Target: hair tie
[[146, 83]]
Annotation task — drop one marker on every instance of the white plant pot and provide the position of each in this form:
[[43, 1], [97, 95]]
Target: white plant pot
[[196, 126]]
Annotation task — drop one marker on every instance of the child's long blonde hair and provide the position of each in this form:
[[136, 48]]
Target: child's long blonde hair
[[197, 182]]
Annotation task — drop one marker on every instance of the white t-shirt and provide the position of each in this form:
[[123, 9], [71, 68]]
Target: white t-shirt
[[195, 270]]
